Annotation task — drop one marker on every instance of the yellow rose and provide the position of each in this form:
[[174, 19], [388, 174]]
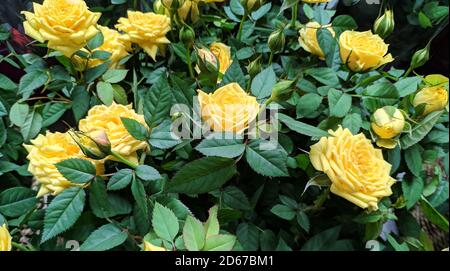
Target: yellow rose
[[67, 25], [44, 152], [114, 43], [388, 122], [435, 98], [191, 6], [159, 8], [356, 169], [253, 4], [223, 54], [308, 38], [315, 1], [229, 109], [363, 51], [108, 119], [148, 30], [5, 239], [150, 247]]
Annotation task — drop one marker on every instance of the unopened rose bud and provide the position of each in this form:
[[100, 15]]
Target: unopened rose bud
[[101, 139], [187, 36], [159, 8], [254, 67], [388, 122], [385, 24], [207, 60], [88, 146], [420, 57], [433, 98], [277, 40], [282, 90]]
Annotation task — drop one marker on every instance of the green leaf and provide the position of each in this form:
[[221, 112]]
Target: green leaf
[[228, 148], [325, 76], [272, 163], [263, 83], [31, 81], [77, 170], [96, 41], [52, 113], [248, 236], [366, 218], [412, 191], [235, 198], [302, 128], [147, 173], [98, 199], [31, 126], [139, 194], [136, 129], [237, 8], [157, 102], [102, 55], [63, 212], [18, 113], [420, 130], [396, 245], [6, 83], [104, 238], [408, 85], [268, 240], [105, 93], [380, 95], [342, 23], [161, 137], [353, 122], [193, 234], [202, 176], [17, 201], [303, 221], [120, 179], [283, 211], [165, 223], [413, 158], [433, 215], [330, 48], [220, 243], [308, 105], [339, 102], [114, 76], [80, 106], [234, 74], [323, 240], [259, 13], [92, 74], [120, 95], [212, 226]]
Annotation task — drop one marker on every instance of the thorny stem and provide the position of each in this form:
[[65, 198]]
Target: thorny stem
[[241, 27], [294, 14]]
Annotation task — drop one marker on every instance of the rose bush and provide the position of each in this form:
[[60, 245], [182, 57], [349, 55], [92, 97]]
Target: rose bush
[[210, 125]]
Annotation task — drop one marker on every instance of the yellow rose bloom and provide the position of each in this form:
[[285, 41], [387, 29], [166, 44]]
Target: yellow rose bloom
[[363, 51], [47, 150], [388, 122], [229, 109], [108, 119], [148, 30], [115, 43], [308, 38], [435, 98], [67, 25], [150, 247], [5, 239], [191, 6], [223, 54], [356, 169]]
